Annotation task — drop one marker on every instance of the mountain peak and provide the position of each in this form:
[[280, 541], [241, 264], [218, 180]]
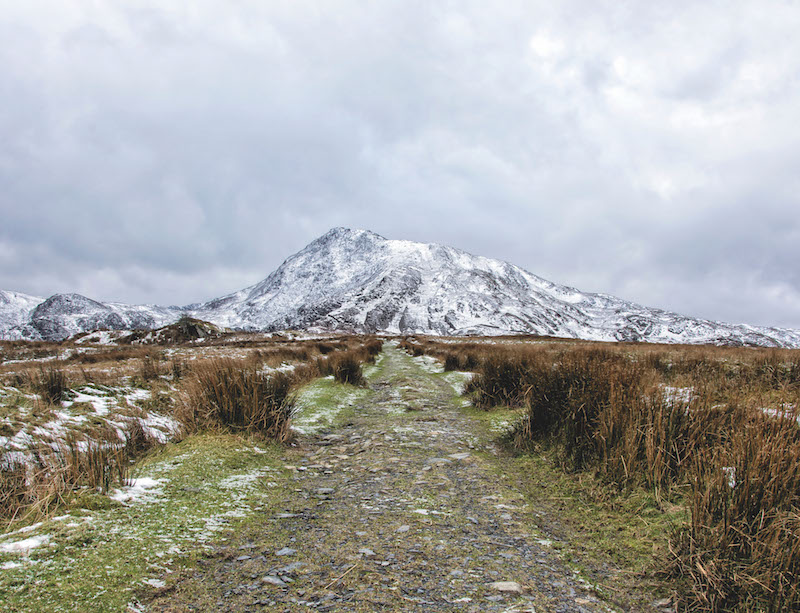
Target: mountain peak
[[341, 233]]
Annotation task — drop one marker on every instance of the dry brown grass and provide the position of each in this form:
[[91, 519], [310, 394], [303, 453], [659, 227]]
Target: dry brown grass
[[218, 393], [50, 383], [236, 395], [239, 395], [96, 461]]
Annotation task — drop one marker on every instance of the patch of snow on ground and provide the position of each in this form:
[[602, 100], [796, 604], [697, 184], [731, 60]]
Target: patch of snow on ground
[[310, 416], [103, 337], [25, 545], [161, 428], [788, 411], [730, 475], [502, 425], [458, 379], [429, 364], [140, 490], [104, 401], [99, 400], [138, 394], [678, 394], [236, 482]]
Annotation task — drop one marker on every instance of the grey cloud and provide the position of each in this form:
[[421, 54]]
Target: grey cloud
[[646, 150]]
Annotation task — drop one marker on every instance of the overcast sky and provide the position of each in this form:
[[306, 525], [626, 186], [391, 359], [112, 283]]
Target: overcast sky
[[171, 152]]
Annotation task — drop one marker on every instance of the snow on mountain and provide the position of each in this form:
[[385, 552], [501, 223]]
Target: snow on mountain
[[15, 312], [358, 281], [63, 315]]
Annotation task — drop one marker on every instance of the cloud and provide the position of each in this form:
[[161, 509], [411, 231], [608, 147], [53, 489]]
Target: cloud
[[169, 153]]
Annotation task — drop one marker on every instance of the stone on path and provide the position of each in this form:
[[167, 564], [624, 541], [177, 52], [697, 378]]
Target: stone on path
[[286, 551], [511, 587], [438, 461]]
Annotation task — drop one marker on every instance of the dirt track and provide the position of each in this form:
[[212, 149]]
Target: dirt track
[[401, 506]]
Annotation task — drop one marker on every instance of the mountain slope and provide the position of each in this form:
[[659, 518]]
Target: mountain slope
[[358, 281], [15, 313]]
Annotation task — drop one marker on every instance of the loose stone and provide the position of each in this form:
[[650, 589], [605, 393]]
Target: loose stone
[[506, 586]]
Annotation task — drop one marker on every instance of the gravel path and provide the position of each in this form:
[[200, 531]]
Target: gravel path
[[399, 508]]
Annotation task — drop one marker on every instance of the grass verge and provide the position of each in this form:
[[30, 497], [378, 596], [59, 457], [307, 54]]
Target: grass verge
[[105, 553]]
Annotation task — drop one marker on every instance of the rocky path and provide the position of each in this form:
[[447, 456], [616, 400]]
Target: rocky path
[[401, 507]]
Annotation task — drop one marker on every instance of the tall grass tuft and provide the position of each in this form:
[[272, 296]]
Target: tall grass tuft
[[742, 549], [50, 383], [236, 395], [149, 368], [40, 483], [346, 368]]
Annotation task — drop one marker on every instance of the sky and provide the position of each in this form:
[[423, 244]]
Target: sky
[[172, 152]]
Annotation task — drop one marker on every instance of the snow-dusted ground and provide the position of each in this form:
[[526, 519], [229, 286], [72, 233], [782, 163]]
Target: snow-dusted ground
[[315, 410], [103, 337], [118, 407], [178, 503], [786, 411], [679, 394]]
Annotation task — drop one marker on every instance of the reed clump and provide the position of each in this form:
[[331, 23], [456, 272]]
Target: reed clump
[[742, 548], [236, 395], [39, 480], [51, 384]]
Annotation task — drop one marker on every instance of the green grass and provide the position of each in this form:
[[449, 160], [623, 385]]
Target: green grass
[[321, 403], [608, 537], [101, 553]]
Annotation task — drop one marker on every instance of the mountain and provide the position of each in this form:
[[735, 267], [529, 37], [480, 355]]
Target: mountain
[[358, 281], [64, 315], [355, 280]]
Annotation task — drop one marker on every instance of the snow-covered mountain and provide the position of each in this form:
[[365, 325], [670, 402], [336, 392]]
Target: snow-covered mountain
[[63, 315], [358, 281]]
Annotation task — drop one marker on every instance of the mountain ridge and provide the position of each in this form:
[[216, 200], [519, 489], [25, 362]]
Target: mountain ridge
[[358, 281]]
